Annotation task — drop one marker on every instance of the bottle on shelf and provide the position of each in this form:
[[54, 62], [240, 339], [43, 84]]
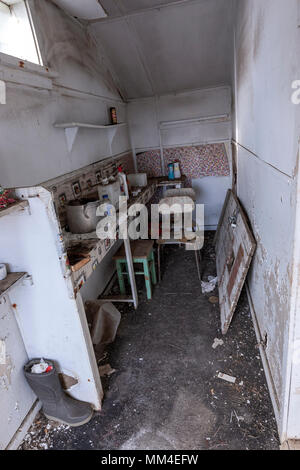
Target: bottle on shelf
[[177, 172], [113, 116], [108, 206], [123, 182], [171, 175]]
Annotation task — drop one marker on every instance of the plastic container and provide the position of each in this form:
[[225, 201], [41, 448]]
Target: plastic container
[[138, 180], [108, 211], [113, 116], [171, 175], [177, 172], [112, 191], [123, 182]]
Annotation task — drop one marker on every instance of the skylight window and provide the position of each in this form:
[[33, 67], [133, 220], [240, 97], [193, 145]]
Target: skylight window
[[17, 36], [85, 10]]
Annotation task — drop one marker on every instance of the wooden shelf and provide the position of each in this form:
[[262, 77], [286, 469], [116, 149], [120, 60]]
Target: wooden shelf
[[71, 130], [19, 206], [117, 298], [164, 181], [10, 282]]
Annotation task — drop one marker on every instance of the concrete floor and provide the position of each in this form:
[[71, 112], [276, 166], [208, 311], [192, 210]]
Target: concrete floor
[[165, 393]]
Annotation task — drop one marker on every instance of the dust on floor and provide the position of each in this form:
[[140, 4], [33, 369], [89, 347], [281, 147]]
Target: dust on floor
[[165, 393]]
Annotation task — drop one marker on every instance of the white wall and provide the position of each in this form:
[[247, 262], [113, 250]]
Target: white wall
[[78, 88], [267, 132], [83, 90], [149, 122]]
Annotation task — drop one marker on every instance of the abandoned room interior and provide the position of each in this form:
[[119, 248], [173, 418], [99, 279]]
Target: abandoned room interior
[[149, 225]]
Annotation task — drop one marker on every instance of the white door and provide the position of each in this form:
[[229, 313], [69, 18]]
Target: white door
[[16, 397]]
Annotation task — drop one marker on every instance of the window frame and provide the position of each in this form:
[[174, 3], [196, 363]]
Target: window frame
[[29, 64]]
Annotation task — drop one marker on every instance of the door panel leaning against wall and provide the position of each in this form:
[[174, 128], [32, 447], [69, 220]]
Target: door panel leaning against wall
[[235, 247]]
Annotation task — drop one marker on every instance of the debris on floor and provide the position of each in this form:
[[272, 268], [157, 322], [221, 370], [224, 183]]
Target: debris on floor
[[173, 399], [217, 343], [208, 287], [214, 300], [227, 378], [42, 434], [106, 370], [238, 418]]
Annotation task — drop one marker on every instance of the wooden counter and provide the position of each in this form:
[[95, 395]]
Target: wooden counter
[[94, 250]]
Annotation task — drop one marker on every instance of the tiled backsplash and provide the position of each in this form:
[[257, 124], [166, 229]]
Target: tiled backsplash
[[195, 161], [83, 182]]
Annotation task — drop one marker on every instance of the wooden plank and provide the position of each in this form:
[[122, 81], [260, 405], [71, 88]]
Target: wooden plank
[[117, 298], [79, 264], [18, 206], [235, 247], [290, 445], [10, 281], [221, 218], [235, 270], [23, 77], [162, 181], [140, 249]]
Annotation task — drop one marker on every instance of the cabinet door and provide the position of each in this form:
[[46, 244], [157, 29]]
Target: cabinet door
[[16, 397]]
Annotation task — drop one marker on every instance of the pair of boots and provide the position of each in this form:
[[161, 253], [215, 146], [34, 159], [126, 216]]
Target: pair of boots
[[57, 405]]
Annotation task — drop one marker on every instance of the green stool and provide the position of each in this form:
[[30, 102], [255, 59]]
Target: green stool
[[142, 253]]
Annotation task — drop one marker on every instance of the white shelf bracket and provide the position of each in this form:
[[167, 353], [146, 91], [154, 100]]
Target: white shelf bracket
[[27, 281], [71, 129], [71, 133], [111, 135]]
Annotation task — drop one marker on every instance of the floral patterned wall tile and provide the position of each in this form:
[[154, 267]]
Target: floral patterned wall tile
[[195, 161]]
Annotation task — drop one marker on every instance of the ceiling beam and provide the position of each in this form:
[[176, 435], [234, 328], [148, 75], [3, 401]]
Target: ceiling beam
[[104, 57], [110, 19], [140, 52]]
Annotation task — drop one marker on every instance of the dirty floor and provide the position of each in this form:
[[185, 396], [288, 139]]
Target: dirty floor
[[165, 393]]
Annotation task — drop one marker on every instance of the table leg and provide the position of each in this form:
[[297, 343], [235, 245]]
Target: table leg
[[158, 263], [197, 263], [131, 272], [153, 270], [147, 279], [120, 277]]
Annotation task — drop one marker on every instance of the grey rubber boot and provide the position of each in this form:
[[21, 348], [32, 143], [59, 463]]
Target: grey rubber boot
[[57, 405]]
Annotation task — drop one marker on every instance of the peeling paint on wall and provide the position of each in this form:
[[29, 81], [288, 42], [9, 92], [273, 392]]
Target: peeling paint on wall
[[2, 351], [5, 373], [265, 35], [277, 292]]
